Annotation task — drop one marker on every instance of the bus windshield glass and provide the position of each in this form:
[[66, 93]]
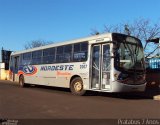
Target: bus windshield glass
[[129, 55]]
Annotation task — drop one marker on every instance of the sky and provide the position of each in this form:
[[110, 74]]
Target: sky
[[22, 21]]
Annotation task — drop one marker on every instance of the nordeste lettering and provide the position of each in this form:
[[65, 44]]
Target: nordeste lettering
[[58, 67]]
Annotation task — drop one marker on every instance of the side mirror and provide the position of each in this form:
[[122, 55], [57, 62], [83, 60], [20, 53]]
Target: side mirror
[[154, 40]]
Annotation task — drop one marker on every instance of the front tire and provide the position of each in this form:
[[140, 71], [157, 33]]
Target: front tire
[[77, 87]]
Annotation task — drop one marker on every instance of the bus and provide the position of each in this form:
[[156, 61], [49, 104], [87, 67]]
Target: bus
[[110, 62]]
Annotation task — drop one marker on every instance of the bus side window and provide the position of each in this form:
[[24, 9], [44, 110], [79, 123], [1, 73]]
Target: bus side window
[[80, 52], [68, 53], [37, 57], [49, 56], [84, 46], [26, 58], [84, 49], [11, 63], [59, 54], [16, 64]]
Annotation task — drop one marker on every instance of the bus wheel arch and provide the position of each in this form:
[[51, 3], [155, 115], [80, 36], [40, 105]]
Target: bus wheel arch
[[77, 86]]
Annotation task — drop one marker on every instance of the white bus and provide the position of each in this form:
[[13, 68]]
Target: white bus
[[110, 62]]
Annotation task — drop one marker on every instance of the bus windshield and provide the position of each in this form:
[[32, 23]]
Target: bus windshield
[[130, 55]]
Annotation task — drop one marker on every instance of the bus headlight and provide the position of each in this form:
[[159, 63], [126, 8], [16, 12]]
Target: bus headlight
[[122, 76]]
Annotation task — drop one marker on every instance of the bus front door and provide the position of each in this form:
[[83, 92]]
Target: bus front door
[[100, 70]]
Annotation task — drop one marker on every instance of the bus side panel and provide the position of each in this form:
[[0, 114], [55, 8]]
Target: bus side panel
[[58, 75]]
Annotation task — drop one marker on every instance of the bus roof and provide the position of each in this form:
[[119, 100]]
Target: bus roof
[[65, 43]]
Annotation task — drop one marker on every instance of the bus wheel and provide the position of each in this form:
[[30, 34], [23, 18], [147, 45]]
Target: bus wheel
[[76, 86], [21, 81]]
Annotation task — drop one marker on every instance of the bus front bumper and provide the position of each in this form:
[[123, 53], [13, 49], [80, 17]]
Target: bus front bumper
[[121, 87]]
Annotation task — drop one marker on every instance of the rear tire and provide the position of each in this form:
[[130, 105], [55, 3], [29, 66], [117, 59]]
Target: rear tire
[[21, 81], [77, 87]]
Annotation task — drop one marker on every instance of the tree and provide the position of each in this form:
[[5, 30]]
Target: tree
[[143, 29], [35, 43]]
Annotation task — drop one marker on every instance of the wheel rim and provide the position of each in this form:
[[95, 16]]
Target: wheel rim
[[78, 86]]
